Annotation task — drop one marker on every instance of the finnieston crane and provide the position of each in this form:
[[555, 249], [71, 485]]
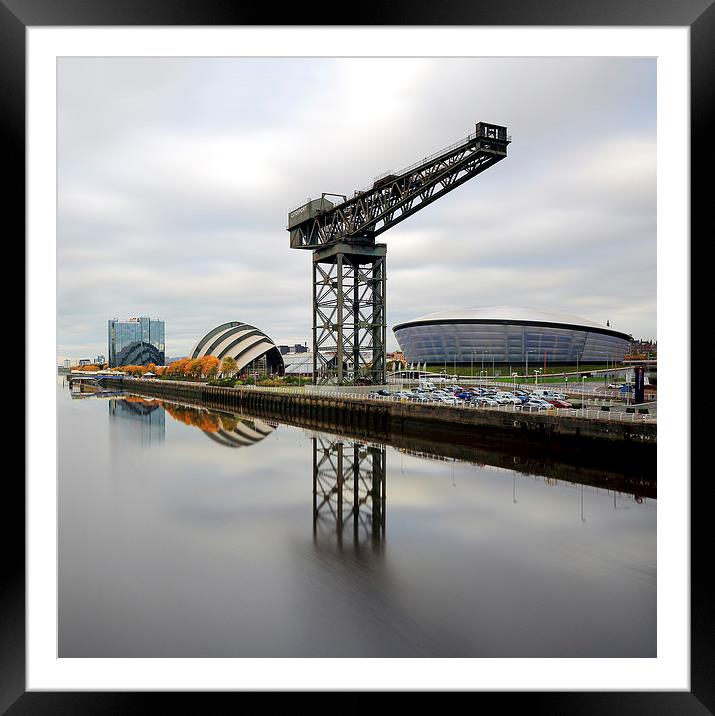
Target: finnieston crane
[[349, 273]]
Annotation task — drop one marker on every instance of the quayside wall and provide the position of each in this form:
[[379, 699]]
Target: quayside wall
[[600, 444]]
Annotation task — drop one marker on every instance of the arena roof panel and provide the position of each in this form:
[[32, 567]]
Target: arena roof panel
[[505, 313]]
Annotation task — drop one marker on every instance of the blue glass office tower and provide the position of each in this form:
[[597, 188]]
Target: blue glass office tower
[[138, 341]]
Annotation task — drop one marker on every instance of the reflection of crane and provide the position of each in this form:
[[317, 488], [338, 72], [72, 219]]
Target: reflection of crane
[[349, 329], [348, 482]]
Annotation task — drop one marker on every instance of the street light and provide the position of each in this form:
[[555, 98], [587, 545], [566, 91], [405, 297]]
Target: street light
[[583, 392], [526, 372], [536, 376]]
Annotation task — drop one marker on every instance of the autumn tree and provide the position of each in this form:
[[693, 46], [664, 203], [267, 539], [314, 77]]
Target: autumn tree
[[209, 366], [178, 367], [194, 367], [229, 366]]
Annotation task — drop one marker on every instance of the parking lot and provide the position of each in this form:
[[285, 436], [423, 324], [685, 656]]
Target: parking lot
[[517, 399]]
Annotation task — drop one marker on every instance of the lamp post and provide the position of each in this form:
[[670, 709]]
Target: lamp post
[[526, 372], [536, 376], [583, 393]]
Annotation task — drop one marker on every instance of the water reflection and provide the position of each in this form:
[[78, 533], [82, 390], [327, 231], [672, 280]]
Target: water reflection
[[348, 491], [190, 549], [227, 429], [146, 417]]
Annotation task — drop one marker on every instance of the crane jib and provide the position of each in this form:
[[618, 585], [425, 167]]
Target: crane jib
[[396, 196]]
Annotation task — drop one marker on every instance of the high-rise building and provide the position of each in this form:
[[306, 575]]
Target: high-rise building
[[68, 362], [99, 360], [137, 341]]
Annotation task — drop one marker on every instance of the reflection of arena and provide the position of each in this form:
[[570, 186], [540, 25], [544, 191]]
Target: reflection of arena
[[508, 335], [252, 349]]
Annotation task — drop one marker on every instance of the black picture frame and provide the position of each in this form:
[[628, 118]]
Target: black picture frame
[[698, 15]]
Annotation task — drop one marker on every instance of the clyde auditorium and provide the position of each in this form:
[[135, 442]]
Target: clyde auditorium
[[251, 348], [508, 335]]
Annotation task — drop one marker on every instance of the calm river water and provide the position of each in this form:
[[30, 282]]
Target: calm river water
[[184, 533]]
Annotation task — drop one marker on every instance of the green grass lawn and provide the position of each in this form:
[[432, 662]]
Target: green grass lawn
[[503, 373]]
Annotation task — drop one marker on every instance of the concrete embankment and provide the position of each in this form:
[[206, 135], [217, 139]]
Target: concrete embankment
[[601, 444]]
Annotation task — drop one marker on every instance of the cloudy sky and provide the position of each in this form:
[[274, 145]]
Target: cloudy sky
[[176, 175]]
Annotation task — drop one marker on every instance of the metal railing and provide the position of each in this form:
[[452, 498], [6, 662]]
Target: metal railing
[[591, 413]]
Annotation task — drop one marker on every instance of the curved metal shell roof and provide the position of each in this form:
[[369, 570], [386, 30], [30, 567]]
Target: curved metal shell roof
[[507, 314], [241, 341]]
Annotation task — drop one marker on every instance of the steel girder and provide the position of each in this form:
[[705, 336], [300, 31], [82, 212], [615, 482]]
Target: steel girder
[[349, 319], [371, 212], [348, 487]]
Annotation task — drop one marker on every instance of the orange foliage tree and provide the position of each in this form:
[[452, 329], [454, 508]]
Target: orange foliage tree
[[178, 367], [209, 366]]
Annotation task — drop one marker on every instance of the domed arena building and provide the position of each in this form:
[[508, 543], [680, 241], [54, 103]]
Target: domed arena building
[[508, 335], [253, 350]]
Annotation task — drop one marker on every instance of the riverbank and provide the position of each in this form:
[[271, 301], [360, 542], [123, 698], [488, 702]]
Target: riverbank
[[599, 444]]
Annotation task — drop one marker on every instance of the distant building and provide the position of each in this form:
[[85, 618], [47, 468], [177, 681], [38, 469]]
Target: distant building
[[253, 350], [137, 341], [68, 362], [84, 361], [647, 348], [299, 364], [298, 348], [100, 360], [284, 350], [508, 335]]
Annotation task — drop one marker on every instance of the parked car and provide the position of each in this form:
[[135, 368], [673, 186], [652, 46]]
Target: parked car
[[485, 402], [547, 394], [450, 400], [559, 403], [537, 404]]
